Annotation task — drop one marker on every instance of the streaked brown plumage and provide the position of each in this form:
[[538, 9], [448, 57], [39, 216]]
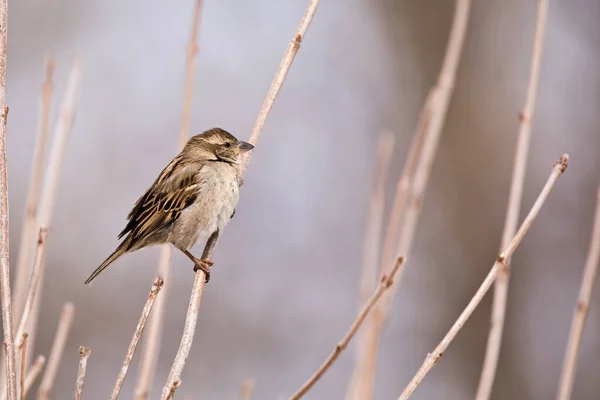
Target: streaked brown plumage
[[193, 197]]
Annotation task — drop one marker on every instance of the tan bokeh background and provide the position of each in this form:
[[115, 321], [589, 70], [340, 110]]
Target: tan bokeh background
[[285, 283]]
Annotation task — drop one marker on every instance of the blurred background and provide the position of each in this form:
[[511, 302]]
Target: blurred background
[[285, 283]]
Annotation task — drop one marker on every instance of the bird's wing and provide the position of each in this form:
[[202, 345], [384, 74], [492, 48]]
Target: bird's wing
[[175, 189]]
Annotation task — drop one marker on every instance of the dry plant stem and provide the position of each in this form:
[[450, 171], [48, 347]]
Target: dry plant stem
[[156, 286], [363, 378], [384, 284], [430, 127], [33, 373], [51, 179], [23, 362], [494, 342], [279, 78], [7, 324], [151, 346], [433, 358], [31, 205], [581, 311], [58, 346], [247, 389], [173, 388], [194, 305], [84, 354], [372, 239], [33, 285]]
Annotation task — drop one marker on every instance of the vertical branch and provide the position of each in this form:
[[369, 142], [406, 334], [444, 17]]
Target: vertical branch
[[247, 389], [581, 311], [51, 179], [58, 346], [194, 305], [430, 126], [23, 362], [33, 373], [84, 354], [31, 204], [33, 285], [363, 378], [7, 324], [156, 286], [494, 342], [433, 358], [151, 345], [372, 239]]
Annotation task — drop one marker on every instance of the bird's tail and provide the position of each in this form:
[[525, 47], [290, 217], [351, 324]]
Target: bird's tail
[[122, 249]]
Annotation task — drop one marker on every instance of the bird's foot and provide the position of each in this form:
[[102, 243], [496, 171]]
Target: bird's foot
[[203, 265]]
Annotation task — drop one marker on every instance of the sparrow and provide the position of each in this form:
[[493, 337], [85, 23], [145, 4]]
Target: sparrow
[[193, 197]]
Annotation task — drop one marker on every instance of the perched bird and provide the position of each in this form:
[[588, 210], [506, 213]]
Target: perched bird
[[192, 198]]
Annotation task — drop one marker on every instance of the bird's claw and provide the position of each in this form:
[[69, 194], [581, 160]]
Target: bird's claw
[[204, 266]]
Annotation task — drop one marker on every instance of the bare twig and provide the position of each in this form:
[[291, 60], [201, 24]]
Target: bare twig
[[194, 305], [581, 311], [247, 389], [151, 345], [58, 346], [33, 373], [31, 204], [156, 286], [173, 388], [372, 239], [384, 284], [7, 318], [430, 127], [363, 377], [51, 179], [371, 246], [433, 358], [494, 342], [84, 354], [33, 285], [23, 362]]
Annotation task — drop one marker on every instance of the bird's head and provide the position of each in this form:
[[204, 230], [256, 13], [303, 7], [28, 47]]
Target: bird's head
[[217, 144]]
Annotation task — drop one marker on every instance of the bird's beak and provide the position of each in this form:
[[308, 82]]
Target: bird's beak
[[244, 146]]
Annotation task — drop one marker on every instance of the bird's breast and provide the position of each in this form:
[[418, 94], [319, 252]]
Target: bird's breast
[[217, 198]]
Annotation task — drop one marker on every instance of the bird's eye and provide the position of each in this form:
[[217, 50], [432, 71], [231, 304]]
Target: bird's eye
[[228, 144]]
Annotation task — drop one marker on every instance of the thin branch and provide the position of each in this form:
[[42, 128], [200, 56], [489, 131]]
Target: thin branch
[[173, 388], [372, 238], [51, 179], [31, 204], [363, 377], [432, 358], [431, 123], [385, 284], [7, 318], [156, 286], [23, 362], [151, 346], [58, 346], [33, 373], [581, 311], [494, 342], [194, 305], [247, 389], [84, 354], [33, 285], [192, 51]]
